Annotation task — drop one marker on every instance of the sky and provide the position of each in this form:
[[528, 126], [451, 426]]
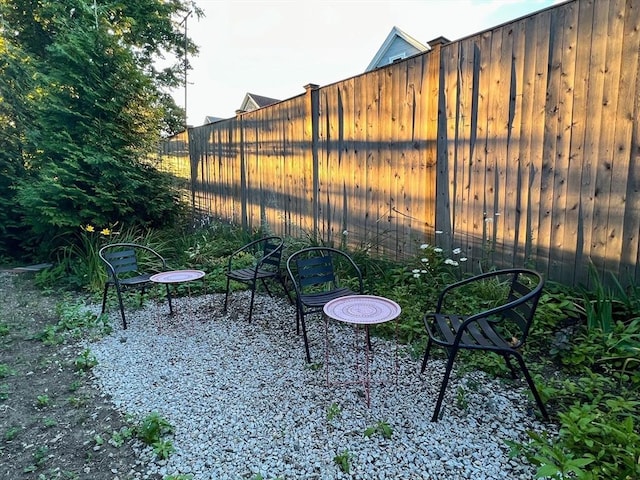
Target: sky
[[274, 48]]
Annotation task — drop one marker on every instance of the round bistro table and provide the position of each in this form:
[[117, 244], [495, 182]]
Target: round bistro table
[[173, 277], [362, 310]]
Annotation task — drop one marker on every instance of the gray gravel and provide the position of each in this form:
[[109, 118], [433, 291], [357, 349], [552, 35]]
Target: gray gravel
[[245, 404]]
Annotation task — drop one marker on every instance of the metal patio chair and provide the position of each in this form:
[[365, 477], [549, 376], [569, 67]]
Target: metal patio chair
[[502, 329], [316, 279], [122, 261], [266, 256]]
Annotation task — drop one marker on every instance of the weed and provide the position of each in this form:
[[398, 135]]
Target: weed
[[85, 361], [43, 401], [381, 428], [11, 433], [118, 438], [461, 399], [50, 422], [5, 370], [163, 448], [4, 329], [333, 412], [180, 476], [4, 391], [151, 430], [39, 457], [50, 336], [343, 460], [77, 402], [75, 385]]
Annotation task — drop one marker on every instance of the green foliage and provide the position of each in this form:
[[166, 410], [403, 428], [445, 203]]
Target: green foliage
[[11, 433], [85, 361], [75, 320], [4, 329], [6, 370], [343, 460], [151, 430], [381, 428], [81, 113], [333, 412], [4, 391], [118, 438], [43, 400]]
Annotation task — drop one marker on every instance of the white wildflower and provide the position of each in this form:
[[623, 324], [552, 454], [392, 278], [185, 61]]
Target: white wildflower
[[424, 260], [345, 233], [424, 271], [424, 246], [416, 275], [456, 251], [437, 250], [415, 270], [463, 259], [438, 232], [448, 261]]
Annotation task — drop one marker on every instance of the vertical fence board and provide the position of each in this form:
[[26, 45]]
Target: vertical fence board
[[512, 211], [623, 80]]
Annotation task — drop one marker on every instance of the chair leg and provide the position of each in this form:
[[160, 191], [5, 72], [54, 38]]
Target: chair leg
[[532, 386], [266, 287], [286, 290], [226, 296], [306, 340], [124, 320], [443, 387], [507, 360], [253, 294], [104, 298], [426, 356]]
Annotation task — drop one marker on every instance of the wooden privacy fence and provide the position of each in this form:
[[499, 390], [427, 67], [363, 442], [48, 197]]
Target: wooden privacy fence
[[518, 145]]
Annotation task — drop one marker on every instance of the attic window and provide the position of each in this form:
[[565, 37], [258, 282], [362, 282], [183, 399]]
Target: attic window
[[397, 58]]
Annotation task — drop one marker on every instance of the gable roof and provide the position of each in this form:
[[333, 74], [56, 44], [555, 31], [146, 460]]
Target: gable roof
[[211, 119], [398, 44], [253, 102]]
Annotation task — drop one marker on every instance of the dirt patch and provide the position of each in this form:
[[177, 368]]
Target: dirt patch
[[53, 422]]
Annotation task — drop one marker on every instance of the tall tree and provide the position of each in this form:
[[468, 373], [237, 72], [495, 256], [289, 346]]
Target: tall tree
[[96, 106]]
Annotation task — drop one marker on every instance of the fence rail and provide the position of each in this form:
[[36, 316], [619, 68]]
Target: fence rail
[[519, 144]]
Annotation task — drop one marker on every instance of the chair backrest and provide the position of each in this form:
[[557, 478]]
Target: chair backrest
[[525, 290], [522, 289], [271, 253], [315, 268], [122, 258]]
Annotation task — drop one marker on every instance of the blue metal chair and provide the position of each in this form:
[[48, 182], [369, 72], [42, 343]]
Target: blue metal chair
[[502, 329], [123, 271], [315, 278], [266, 256]]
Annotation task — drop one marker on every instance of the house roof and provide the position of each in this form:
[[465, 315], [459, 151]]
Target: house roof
[[396, 36], [211, 119], [252, 102]]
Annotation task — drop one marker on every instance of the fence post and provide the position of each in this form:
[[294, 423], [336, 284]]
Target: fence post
[[312, 92]]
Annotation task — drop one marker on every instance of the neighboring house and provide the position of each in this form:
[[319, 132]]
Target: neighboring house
[[398, 46], [210, 119], [253, 102]]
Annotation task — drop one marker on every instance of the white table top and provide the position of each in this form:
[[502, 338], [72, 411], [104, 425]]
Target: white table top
[[362, 309], [177, 276]]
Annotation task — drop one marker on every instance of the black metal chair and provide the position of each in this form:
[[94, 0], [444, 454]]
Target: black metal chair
[[502, 329], [314, 272], [122, 261], [265, 255]]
